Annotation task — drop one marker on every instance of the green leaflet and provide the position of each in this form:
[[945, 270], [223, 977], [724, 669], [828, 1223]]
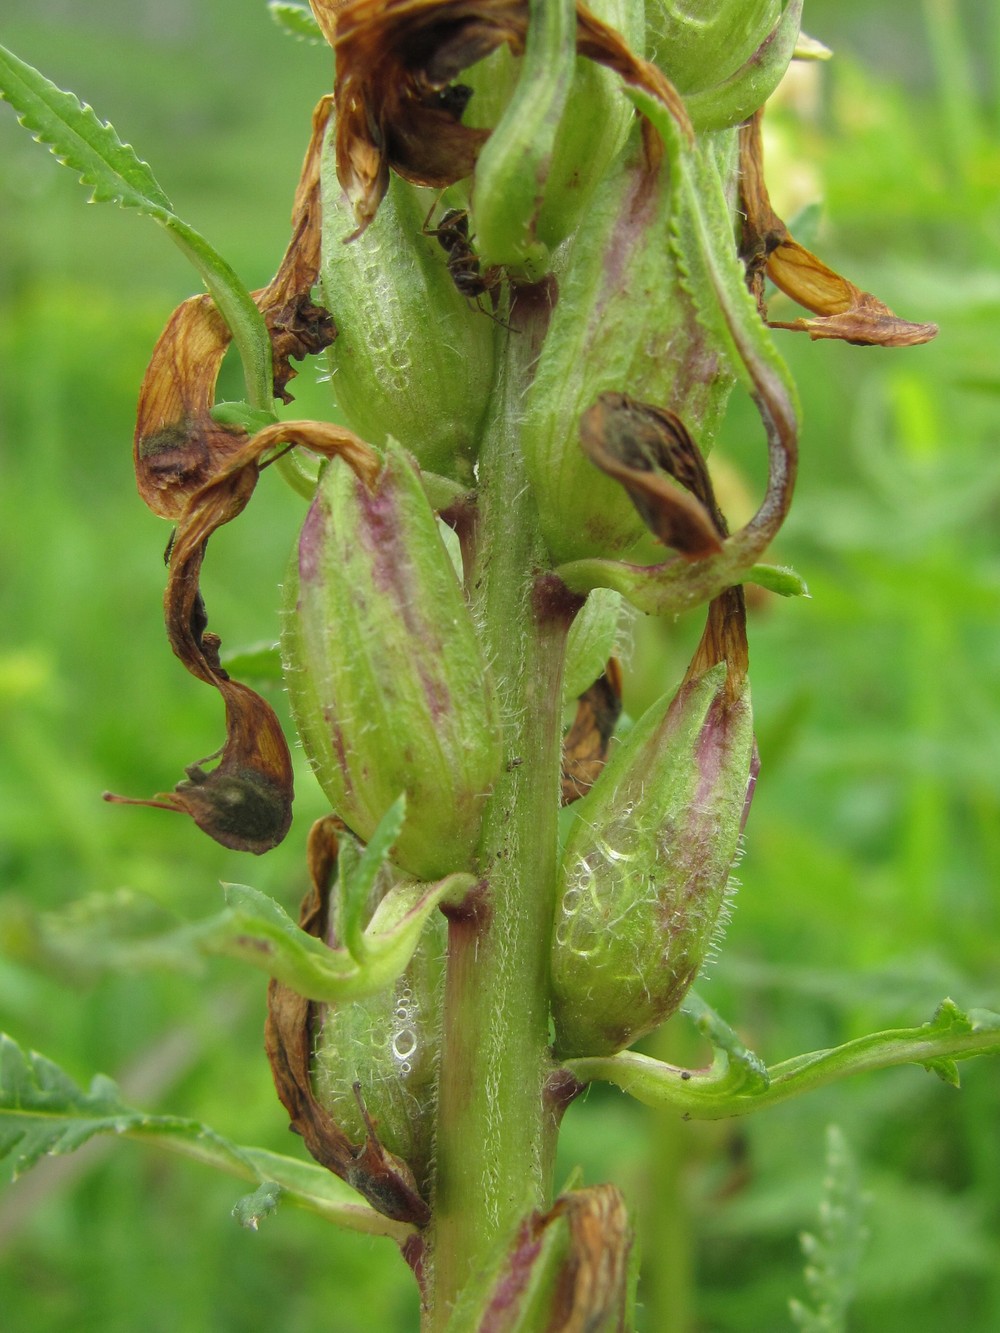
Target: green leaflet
[[724, 1090], [123, 931], [115, 174], [44, 1113], [357, 872], [296, 21]]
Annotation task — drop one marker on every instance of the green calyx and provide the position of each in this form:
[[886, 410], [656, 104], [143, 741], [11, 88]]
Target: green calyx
[[646, 867], [725, 56], [385, 674], [414, 358]]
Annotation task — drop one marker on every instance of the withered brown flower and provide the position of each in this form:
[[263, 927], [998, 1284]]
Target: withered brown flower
[[201, 474], [768, 249], [398, 105]]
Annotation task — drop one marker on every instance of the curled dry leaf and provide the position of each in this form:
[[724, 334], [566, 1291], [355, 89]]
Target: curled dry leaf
[[648, 449], [298, 327], [201, 475], [768, 249], [383, 1179], [585, 745], [398, 105]]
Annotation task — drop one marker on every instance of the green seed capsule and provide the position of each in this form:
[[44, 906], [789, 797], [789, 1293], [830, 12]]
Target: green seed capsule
[[388, 1044], [646, 867], [413, 359], [385, 674], [623, 322]]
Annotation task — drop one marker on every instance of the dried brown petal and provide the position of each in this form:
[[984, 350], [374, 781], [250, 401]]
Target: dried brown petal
[[767, 248], [384, 1180], [647, 449], [398, 105], [585, 745]]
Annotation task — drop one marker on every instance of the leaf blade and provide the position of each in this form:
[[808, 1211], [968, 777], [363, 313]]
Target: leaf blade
[[80, 140]]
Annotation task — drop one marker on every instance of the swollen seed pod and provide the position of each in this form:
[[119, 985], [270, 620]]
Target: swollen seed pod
[[624, 318], [385, 674], [412, 360], [387, 1044], [646, 867]]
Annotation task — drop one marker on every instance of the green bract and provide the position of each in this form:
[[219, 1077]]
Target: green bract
[[646, 867], [385, 673]]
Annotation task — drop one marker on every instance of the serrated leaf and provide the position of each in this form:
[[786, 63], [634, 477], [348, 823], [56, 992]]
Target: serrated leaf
[[80, 140], [44, 1112], [254, 1208], [296, 21], [833, 1252]]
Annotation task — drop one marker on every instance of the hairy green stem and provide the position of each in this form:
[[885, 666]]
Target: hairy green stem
[[496, 1136]]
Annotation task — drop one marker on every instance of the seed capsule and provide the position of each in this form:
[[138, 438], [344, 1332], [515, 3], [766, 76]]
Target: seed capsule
[[646, 867], [385, 674]]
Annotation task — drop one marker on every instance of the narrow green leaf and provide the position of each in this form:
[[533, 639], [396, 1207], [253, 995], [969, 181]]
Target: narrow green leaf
[[43, 1112], [81, 141], [296, 21], [358, 874], [115, 174]]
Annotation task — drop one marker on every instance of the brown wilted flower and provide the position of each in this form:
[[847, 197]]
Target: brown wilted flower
[[201, 474], [648, 449], [768, 248], [398, 105]]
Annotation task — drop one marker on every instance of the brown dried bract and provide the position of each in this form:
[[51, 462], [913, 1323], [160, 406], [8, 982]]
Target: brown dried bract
[[724, 640], [585, 745], [298, 327], [398, 106], [768, 249], [383, 1179], [648, 449], [591, 1282]]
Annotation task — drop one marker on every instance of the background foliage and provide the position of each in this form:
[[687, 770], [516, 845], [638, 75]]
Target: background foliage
[[873, 851]]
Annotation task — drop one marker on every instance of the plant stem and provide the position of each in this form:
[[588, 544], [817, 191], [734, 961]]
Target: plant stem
[[496, 1137]]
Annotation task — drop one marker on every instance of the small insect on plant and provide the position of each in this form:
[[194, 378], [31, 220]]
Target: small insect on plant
[[468, 275]]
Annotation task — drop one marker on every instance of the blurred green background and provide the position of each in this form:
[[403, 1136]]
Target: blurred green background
[[870, 881]]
